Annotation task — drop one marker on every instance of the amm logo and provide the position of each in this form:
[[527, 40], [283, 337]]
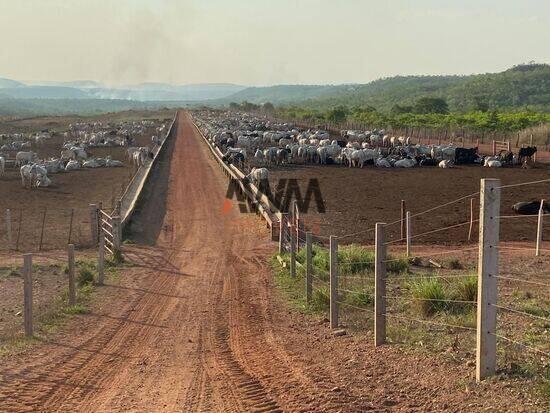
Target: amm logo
[[286, 191]]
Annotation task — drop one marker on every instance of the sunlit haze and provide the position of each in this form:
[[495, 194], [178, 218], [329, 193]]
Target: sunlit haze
[[260, 42]]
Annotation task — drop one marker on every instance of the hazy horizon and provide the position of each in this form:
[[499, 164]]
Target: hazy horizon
[[261, 43]]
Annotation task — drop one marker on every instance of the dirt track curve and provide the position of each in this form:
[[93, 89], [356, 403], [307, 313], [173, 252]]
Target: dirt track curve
[[197, 328]]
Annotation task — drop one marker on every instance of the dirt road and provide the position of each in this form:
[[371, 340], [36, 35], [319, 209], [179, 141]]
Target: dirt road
[[195, 326]]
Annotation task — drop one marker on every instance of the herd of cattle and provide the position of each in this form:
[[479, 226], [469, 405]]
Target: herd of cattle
[[250, 141], [75, 151]]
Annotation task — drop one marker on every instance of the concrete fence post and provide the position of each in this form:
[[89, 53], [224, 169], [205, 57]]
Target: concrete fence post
[[333, 255], [101, 259], [27, 294], [72, 286], [409, 233], [94, 223], [471, 229], [8, 227], [489, 212], [309, 267], [379, 286], [539, 228], [292, 254]]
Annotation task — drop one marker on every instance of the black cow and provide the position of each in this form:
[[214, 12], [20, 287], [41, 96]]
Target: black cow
[[428, 162], [465, 156], [530, 208], [235, 158], [526, 153]]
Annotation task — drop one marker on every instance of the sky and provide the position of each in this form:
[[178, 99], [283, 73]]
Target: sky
[[261, 42]]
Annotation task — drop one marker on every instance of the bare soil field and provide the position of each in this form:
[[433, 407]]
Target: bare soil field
[[71, 192], [196, 325], [356, 199]]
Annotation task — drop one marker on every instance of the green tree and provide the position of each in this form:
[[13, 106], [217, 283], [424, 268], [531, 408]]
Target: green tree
[[234, 106], [268, 107], [431, 105], [337, 114], [400, 109]]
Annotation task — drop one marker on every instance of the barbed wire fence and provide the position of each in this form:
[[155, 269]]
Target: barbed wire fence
[[372, 287]]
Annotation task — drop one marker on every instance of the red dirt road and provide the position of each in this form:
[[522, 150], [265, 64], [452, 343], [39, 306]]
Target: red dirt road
[[195, 326]]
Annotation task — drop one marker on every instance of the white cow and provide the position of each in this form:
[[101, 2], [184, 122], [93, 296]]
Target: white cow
[[72, 165], [258, 176], [23, 158], [446, 163], [34, 175], [404, 163]]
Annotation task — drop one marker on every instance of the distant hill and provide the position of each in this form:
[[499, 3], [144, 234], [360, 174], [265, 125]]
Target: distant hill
[[521, 87], [89, 89], [9, 83], [39, 107], [44, 92]]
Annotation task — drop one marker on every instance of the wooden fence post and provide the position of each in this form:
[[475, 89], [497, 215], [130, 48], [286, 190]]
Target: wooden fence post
[[101, 259], [539, 229], [71, 225], [494, 148], [282, 226], [333, 255], [379, 286], [489, 212], [8, 226], [72, 287], [409, 233], [403, 210], [471, 230], [27, 293], [292, 254], [19, 229], [42, 230], [309, 267], [94, 223], [117, 232]]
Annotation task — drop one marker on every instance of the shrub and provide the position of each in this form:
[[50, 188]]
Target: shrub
[[454, 264], [320, 299], [397, 265], [360, 299], [86, 272], [426, 289], [354, 259], [466, 289]]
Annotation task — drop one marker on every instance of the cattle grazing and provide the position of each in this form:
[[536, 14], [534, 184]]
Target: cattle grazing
[[526, 154], [23, 158], [464, 156], [531, 208], [259, 177], [34, 175]]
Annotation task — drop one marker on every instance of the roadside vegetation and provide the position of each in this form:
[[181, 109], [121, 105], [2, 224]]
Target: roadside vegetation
[[51, 314]]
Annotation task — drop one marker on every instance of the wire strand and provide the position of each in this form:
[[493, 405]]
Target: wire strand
[[523, 281], [429, 322], [434, 231], [512, 310], [523, 183], [533, 349], [435, 253], [431, 299]]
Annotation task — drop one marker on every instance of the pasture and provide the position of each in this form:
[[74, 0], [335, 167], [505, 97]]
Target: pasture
[[67, 200], [356, 199]]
